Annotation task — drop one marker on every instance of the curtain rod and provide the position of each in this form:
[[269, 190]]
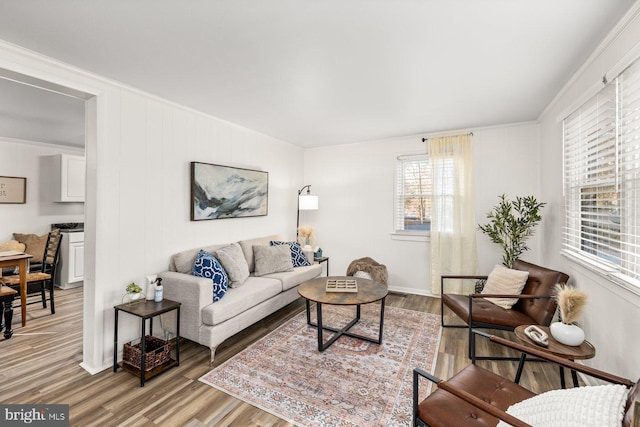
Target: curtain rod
[[426, 139]]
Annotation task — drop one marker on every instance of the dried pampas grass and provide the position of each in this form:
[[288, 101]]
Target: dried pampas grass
[[571, 302], [306, 235]]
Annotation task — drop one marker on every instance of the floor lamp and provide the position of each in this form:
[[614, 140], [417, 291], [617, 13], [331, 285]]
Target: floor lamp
[[306, 202]]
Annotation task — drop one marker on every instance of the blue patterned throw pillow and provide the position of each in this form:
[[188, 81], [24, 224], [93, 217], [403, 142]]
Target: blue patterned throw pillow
[[298, 258], [208, 266]]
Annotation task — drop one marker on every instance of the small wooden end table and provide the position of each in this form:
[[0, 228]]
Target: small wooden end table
[[369, 291], [322, 259], [582, 352], [146, 310]]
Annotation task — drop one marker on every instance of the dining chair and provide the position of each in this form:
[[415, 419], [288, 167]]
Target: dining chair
[[41, 282]]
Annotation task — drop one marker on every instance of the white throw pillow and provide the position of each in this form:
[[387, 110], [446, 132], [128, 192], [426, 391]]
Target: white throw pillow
[[505, 281], [597, 406]]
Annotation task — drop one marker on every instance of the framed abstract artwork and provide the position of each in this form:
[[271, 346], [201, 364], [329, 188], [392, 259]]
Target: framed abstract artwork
[[219, 192], [13, 189]]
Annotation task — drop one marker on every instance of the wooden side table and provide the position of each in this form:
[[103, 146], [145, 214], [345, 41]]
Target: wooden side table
[[146, 310], [582, 352]]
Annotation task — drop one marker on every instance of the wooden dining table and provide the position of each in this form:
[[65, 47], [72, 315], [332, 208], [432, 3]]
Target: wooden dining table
[[19, 260]]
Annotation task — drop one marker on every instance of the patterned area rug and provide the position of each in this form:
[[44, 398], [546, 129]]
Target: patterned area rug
[[352, 383]]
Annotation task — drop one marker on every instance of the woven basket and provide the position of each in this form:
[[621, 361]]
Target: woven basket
[[157, 353]]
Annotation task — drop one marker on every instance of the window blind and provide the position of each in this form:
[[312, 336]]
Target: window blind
[[602, 176], [629, 170], [413, 194]]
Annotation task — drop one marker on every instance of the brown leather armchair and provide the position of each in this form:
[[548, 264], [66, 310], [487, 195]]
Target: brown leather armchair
[[478, 397], [535, 305]]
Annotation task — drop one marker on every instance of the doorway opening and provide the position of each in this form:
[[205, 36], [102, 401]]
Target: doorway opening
[[42, 117]]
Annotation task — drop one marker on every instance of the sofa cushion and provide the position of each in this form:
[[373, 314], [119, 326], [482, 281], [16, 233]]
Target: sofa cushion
[[272, 259], [238, 300], [247, 247], [206, 265], [234, 263], [182, 262], [298, 258], [293, 278], [505, 281]]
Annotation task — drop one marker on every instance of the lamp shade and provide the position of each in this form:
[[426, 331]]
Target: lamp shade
[[308, 202]]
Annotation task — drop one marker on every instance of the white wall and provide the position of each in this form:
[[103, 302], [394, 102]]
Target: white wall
[[355, 184], [613, 313], [33, 161], [138, 151]]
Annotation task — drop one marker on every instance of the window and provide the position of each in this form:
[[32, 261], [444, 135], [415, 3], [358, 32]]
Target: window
[[602, 178], [413, 194]]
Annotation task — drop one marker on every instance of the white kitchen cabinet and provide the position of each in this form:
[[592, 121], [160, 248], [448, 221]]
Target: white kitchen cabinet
[[70, 271], [69, 178]]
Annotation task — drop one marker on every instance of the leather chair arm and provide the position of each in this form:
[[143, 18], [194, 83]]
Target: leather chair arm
[[519, 296], [466, 396], [451, 277]]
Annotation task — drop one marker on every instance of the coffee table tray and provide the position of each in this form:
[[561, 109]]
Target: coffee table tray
[[341, 285]]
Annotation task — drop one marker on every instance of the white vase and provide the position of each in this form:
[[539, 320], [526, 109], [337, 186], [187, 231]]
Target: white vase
[[567, 334], [307, 250]]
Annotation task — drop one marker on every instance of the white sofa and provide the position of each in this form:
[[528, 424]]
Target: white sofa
[[209, 323]]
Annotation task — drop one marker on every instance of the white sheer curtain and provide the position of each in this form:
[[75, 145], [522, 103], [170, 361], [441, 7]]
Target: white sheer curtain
[[453, 227]]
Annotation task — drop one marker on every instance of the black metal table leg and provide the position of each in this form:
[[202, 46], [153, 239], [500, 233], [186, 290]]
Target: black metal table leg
[[115, 342], [381, 320], [574, 376], [520, 368], [143, 350], [178, 338], [562, 382], [322, 346]]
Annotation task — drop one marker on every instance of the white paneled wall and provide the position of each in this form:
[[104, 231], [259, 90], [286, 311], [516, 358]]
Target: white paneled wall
[[612, 312], [33, 161], [154, 143], [138, 185], [355, 184]]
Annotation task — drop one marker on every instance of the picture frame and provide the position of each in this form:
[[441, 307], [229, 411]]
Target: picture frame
[[219, 192], [13, 190]]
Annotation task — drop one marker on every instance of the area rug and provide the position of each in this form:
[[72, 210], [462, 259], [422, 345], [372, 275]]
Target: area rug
[[352, 383]]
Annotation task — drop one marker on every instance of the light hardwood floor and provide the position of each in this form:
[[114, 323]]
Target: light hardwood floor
[[40, 364]]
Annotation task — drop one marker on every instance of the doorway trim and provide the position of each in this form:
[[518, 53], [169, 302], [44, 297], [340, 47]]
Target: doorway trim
[[29, 68]]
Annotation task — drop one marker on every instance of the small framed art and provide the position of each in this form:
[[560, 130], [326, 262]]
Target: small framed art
[[13, 189]]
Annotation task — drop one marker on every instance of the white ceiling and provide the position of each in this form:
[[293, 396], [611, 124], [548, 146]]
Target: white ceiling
[[328, 72]]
